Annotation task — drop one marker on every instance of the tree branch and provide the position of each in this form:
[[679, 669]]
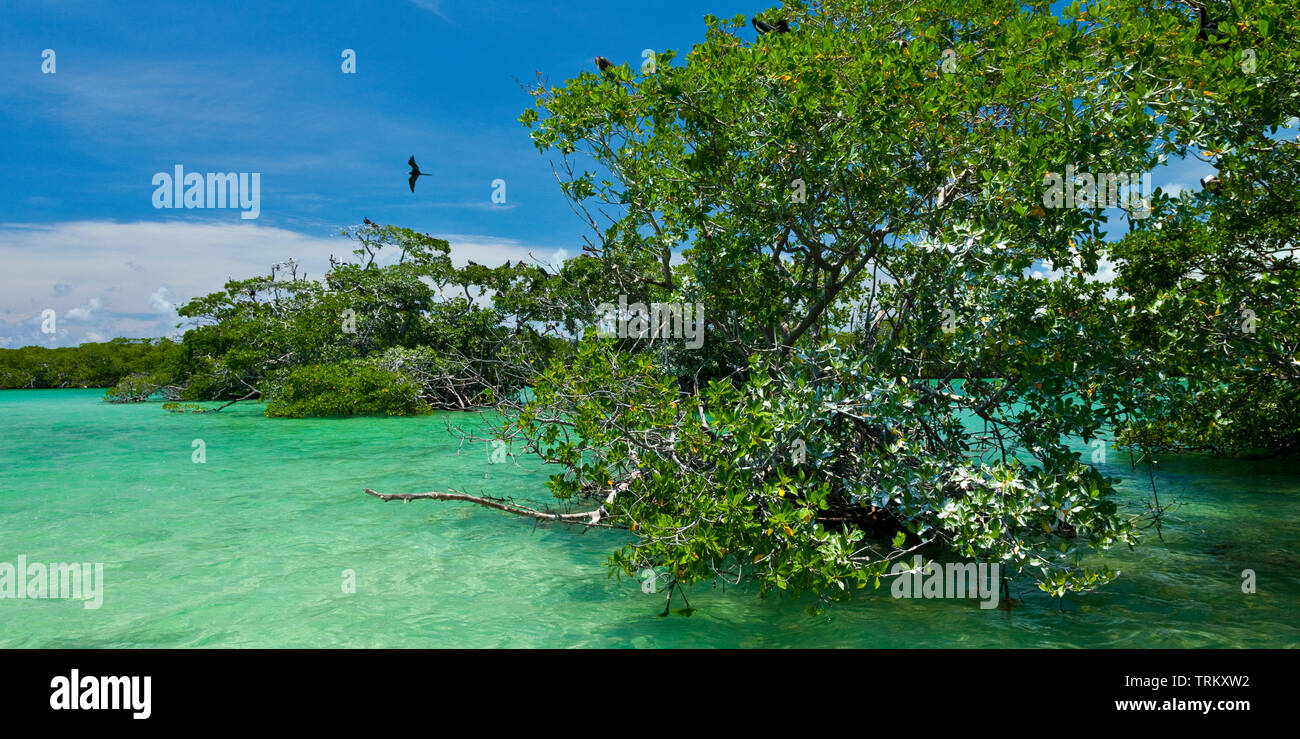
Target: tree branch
[[591, 518]]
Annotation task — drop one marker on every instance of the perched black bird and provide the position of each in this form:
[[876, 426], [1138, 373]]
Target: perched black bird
[[603, 64], [1209, 28], [369, 222], [535, 284], [472, 263], [415, 172], [764, 28]]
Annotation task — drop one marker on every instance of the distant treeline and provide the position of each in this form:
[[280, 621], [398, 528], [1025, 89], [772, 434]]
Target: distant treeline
[[88, 365]]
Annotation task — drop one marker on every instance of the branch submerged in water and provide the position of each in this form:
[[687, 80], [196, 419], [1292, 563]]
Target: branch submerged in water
[[590, 518]]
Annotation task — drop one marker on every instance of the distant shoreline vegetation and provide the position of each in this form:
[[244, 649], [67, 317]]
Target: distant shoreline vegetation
[[90, 365]]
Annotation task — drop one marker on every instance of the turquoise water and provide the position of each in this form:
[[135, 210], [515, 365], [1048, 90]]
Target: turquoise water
[[249, 548]]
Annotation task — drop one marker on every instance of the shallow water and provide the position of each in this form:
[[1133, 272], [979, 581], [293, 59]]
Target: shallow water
[[249, 549]]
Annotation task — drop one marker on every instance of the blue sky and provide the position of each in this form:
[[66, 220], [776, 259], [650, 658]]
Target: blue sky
[[258, 87], [140, 87]]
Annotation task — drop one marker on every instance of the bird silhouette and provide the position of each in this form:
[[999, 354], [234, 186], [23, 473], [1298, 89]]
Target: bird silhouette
[[472, 263], [369, 222], [415, 172], [765, 28], [603, 64], [1209, 28]]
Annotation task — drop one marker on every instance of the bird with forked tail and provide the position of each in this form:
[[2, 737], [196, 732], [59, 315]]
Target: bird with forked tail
[[415, 172]]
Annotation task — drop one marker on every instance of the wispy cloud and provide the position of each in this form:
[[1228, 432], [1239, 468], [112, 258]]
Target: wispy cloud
[[86, 311], [160, 301], [106, 278], [433, 6]]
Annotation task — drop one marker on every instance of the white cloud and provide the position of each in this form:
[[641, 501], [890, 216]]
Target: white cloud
[[106, 279], [109, 273], [86, 311], [491, 252], [433, 6], [1105, 270], [1175, 189], [159, 301]]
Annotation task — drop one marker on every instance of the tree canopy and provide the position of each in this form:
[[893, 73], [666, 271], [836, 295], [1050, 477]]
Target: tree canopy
[[859, 204]]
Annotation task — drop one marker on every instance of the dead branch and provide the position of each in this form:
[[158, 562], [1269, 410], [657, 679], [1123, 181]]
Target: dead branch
[[590, 518]]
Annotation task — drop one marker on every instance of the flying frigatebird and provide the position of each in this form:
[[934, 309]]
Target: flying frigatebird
[[415, 172]]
